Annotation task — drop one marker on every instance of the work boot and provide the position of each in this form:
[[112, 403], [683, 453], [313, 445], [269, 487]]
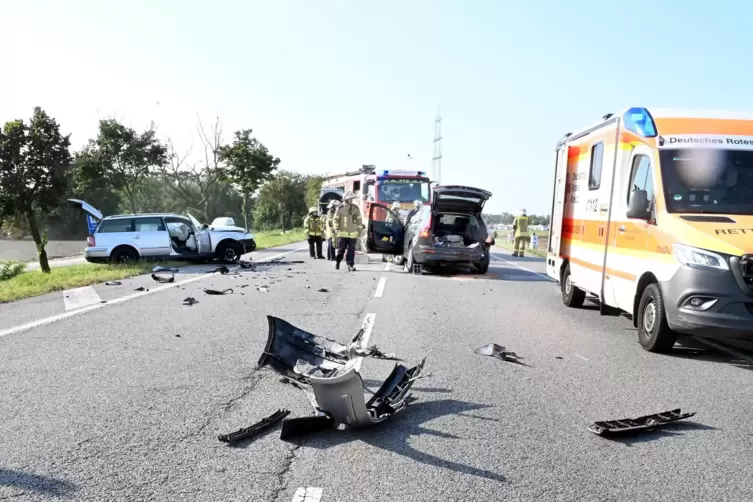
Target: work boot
[[351, 268], [521, 255], [515, 253], [337, 265]]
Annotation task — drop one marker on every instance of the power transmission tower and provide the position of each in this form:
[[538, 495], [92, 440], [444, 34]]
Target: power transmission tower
[[436, 161]]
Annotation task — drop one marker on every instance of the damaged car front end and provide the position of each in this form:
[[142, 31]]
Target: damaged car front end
[[328, 372]]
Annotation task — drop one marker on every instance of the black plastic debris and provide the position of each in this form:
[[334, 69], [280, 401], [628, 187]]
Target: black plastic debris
[[163, 278], [190, 301], [246, 264], [113, 283], [323, 290], [244, 286], [610, 428], [248, 432], [376, 353], [160, 268], [177, 336], [295, 427], [499, 352], [222, 270], [216, 292], [141, 288], [263, 289]]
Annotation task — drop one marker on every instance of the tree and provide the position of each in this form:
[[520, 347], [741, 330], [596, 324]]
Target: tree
[[123, 158], [281, 201], [249, 164], [34, 167], [313, 189]]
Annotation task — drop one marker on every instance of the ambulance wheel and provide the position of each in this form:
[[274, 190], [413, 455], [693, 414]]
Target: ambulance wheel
[[572, 296], [654, 333]]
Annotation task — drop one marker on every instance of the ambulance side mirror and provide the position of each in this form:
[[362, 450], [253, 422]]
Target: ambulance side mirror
[[638, 206]]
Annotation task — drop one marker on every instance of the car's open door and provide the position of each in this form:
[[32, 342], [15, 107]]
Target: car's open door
[[93, 216], [385, 232]]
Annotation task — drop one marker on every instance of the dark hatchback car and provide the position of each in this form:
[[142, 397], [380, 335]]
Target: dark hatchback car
[[450, 232]]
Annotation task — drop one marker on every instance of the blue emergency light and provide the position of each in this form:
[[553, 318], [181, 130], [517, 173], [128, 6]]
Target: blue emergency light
[[404, 173], [639, 121]]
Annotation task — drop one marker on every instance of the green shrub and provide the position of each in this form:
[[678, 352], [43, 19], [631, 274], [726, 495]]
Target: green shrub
[[10, 269]]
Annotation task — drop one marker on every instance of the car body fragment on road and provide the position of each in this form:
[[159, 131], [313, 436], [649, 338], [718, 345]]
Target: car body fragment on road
[[609, 428], [330, 369], [255, 429]]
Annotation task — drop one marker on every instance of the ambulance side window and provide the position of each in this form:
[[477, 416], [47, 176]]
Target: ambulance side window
[[597, 160], [641, 177]]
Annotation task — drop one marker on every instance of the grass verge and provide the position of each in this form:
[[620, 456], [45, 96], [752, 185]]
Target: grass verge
[[274, 238], [35, 283], [504, 244]]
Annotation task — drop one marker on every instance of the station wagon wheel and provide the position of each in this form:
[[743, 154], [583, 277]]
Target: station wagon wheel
[[124, 255], [228, 252]]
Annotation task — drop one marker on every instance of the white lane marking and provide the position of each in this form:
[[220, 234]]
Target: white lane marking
[[387, 267], [380, 287], [578, 355], [77, 298], [497, 258], [728, 350], [309, 494], [58, 317], [367, 326]]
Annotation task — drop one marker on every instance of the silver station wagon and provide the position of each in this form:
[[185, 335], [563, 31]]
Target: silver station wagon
[[128, 237]]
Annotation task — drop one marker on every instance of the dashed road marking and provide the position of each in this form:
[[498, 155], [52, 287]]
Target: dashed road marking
[[578, 355], [309, 494], [77, 298], [380, 287], [367, 326], [388, 267], [122, 299]]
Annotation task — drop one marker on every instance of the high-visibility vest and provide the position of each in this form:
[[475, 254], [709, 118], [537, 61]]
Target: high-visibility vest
[[521, 226], [348, 221]]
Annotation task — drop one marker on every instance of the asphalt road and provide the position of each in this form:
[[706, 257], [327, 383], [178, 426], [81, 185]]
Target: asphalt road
[[112, 404]]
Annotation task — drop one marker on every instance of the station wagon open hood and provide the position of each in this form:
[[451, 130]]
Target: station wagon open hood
[[457, 198], [91, 211]]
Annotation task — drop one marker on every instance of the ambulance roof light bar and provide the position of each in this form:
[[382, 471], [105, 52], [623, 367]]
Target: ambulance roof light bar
[[639, 121]]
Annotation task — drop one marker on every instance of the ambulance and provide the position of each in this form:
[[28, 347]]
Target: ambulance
[[652, 215]]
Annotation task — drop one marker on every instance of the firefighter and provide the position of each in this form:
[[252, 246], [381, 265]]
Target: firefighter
[[417, 205], [520, 227], [313, 225], [331, 238], [348, 225], [392, 218]]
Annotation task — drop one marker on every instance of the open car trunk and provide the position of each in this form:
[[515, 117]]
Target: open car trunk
[[457, 230]]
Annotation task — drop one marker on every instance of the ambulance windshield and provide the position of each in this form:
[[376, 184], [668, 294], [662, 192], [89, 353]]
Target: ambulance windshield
[[701, 180], [403, 190]]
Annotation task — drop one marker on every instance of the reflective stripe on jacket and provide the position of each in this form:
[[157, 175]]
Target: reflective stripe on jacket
[[521, 226], [313, 225], [348, 221], [328, 223]]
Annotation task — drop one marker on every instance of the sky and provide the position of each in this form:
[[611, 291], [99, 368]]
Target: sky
[[330, 85]]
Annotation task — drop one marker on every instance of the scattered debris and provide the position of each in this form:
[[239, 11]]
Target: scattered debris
[[307, 287], [159, 268], [244, 286], [323, 290], [177, 336], [103, 301], [190, 301], [328, 369], [223, 270], [141, 288], [246, 264], [216, 292], [113, 283], [263, 289], [162, 278], [558, 357], [608, 428], [374, 352], [248, 432], [498, 352]]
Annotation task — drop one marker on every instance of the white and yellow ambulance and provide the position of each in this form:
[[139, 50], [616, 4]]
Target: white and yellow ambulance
[[652, 214]]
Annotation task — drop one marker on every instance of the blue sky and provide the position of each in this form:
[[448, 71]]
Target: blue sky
[[330, 85]]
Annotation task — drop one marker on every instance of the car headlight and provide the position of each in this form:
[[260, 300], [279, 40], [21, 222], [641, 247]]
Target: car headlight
[[699, 258]]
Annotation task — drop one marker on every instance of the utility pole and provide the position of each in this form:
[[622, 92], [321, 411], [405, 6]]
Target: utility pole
[[436, 160]]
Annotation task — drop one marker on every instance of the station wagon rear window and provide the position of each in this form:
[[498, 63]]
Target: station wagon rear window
[[115, 226]]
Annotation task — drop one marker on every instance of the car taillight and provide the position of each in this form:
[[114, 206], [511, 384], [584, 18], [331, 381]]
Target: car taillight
[[90, 241], [425, 232]]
